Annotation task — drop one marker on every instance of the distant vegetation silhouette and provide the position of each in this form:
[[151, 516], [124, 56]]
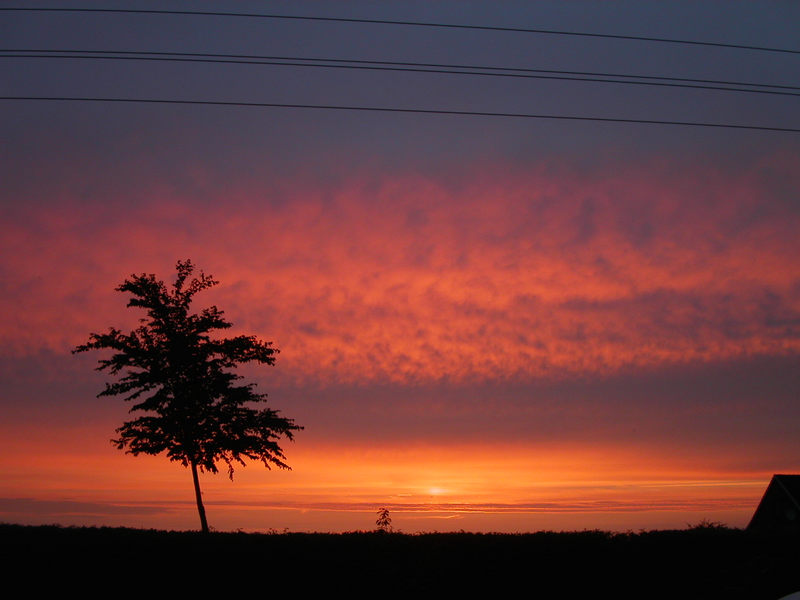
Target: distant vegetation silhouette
[[705, 562], [384, 521], [181, 379]]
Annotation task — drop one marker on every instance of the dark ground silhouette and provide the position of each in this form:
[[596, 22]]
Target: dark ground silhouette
[[706, 561]]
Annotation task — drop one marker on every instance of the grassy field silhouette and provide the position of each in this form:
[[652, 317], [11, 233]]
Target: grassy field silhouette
[[704, 561]]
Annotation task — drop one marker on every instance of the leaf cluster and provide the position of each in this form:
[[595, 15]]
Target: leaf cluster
[[180, 377]]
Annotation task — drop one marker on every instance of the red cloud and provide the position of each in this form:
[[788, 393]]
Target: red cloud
[[404, 278]]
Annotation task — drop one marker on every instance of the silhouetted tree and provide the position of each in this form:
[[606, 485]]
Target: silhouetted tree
[[181, 379], [384, 521]]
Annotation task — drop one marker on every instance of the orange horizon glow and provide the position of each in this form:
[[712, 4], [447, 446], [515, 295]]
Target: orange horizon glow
[[426, 487]]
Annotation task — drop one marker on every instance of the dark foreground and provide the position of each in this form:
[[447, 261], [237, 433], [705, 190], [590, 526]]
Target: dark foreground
[[702, 562]]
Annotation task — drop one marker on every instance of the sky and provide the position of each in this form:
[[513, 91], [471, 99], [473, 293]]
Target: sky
[[484, 323]]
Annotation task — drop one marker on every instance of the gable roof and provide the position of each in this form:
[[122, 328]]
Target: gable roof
[[779, 509]]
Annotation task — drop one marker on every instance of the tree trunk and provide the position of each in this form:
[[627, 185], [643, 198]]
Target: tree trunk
[[200, 509]]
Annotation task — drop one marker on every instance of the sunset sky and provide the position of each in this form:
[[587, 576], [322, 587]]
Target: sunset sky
[[484, 323]]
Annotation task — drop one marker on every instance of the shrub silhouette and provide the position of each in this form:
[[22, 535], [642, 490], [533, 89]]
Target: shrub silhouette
[[384, 521]]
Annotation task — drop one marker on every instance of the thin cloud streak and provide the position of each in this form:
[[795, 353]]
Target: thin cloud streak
[[63, 508]]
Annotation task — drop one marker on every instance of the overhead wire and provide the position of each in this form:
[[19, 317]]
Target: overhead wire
[[435, 68], [402, 110], [406, 23]]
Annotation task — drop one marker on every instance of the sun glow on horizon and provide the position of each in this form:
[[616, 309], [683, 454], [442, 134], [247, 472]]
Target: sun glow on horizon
[[539, 485]]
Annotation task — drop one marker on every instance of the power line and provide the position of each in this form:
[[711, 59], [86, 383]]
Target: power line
[[411, 64], [407, 23], [508, 72], [403, 110]]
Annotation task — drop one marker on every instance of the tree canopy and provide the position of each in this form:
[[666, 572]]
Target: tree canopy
[[179, 377]]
